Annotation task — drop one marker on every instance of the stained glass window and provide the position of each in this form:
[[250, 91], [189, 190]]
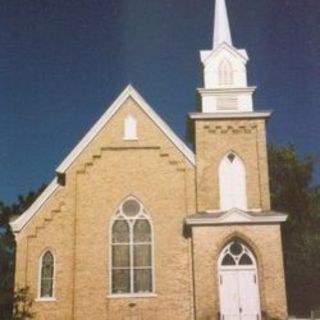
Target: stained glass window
[[47, 275], [132, 261]]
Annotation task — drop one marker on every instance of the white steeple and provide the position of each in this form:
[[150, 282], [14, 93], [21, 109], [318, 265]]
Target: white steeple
[[221, 25], [225, 87]]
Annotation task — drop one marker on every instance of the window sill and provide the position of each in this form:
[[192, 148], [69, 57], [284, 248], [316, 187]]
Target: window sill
[[45, 299], [130, 139], [131, 296]]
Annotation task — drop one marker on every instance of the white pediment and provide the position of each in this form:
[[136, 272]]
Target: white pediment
[[235, 216], [224, 48]]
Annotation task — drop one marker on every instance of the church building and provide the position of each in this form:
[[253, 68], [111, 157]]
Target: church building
[[137, 226]]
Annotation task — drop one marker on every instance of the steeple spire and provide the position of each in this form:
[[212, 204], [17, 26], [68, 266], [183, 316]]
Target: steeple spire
[[221, 25]]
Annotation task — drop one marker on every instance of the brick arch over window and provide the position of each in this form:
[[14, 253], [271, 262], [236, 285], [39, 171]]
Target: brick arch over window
[[132, 262], [232, 182], [225, 73], [243, 237]]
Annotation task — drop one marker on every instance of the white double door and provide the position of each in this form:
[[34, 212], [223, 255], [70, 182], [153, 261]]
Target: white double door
[[239, 295]]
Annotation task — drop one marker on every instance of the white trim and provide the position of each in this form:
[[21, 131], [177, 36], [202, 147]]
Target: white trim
[[225, 90], [237, 216], [226, 250], [52, 298], [249, 210], [92, 133], [19, 223], [144, 215], [132, 296], [45, 300], [229, 115]]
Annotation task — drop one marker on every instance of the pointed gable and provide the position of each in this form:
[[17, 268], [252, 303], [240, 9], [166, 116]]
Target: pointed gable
[[129, 92]]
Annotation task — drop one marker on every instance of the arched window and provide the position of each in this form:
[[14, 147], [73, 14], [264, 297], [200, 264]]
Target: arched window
[[236, 253], [232, 183], [132, 247], [46, 275], [130, 128], [225, 73]]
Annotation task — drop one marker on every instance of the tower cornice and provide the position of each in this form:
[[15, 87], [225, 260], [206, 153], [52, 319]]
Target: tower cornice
[[263, 114]]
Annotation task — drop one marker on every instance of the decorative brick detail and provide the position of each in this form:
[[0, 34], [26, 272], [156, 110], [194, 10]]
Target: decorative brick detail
[[235, 128]]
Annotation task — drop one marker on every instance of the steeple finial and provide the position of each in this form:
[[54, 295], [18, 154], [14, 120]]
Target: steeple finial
[[221, 25]]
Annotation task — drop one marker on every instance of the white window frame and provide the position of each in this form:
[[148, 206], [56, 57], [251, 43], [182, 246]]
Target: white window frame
[[237, 266], [142, 215], [130, 128], [39, 297]]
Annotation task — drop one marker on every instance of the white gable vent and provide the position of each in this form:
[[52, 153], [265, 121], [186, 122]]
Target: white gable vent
[[130, 128]]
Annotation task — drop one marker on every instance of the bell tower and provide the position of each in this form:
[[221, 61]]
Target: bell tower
[[232, 192], [229, 136]]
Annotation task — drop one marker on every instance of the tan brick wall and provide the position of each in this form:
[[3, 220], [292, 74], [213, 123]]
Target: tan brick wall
[[77, 226], [265, 242], [213, 139], [75, 223]]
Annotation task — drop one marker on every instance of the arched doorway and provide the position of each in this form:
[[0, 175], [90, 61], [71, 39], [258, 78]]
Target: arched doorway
[[238, 283]]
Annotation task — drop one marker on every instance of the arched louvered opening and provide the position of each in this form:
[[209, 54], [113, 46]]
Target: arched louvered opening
[[232, 183], [225, 73], [132, 250]]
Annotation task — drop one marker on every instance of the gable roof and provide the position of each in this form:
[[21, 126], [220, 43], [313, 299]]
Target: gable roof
[[207, 54], [92, 133], [18, 224]]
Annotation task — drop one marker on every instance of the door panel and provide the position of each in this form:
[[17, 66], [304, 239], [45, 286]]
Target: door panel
[[239, 295], [249, 295], [229, 295]]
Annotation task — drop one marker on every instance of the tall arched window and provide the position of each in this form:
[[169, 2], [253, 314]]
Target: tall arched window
[[46, 275], [232, 183], [132, 247], [225, 73]]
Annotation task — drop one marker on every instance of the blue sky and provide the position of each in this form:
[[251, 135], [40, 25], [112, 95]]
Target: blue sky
[[62, 63]]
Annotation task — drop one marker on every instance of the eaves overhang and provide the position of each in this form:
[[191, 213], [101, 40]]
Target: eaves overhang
[[263, 114], [226, 90]]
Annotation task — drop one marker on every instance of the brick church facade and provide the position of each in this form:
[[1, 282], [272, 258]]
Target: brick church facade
[[135, 225]]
